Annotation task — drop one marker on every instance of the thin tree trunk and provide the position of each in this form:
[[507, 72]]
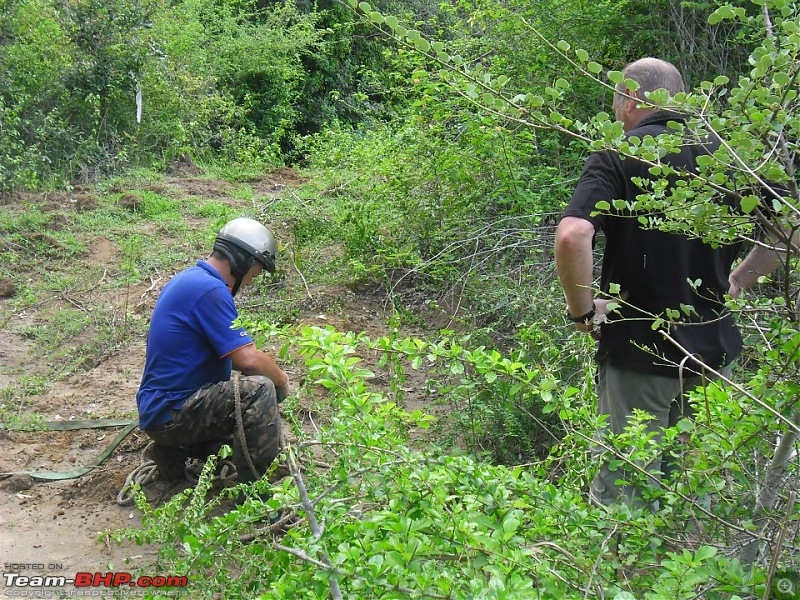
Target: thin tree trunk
[[769, 491]]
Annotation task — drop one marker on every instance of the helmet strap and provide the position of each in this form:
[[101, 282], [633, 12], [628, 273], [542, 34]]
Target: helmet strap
[[240, 263], [240, 275], [236, 285]]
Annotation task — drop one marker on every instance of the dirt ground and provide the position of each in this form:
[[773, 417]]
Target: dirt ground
[[56, 528]]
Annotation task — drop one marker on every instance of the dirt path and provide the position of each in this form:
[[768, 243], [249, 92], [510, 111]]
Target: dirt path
[[57, 528], [57, 525]]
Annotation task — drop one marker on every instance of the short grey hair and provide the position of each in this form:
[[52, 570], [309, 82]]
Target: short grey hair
[[651, 74]]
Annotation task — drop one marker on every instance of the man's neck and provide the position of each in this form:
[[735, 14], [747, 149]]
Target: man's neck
[[222, 267]]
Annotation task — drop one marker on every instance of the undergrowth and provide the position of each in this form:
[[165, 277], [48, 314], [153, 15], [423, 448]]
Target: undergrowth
[[367, 516]]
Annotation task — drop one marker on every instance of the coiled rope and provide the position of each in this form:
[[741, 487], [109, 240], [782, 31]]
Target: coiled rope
[[141, 475], [147, 472]]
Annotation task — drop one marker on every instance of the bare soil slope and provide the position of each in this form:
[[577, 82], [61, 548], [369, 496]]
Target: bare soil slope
[[55, 528]]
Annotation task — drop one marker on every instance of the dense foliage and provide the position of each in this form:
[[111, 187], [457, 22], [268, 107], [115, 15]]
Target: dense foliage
[[376, 518], [92, 87]]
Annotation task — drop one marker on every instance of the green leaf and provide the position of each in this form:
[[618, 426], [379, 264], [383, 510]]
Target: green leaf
[[722, 13], [594, 68], [510, 526], [631, 84], [704, 553], [781, 78], [582, 54], [749, 203], [376, 17], [365, 7], [422, 44], [563, 45], [616, 77]]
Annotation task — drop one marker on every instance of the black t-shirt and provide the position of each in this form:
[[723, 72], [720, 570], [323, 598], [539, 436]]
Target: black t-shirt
[[655, 268]]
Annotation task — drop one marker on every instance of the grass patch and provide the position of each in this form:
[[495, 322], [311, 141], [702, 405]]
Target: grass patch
[[214, 210]]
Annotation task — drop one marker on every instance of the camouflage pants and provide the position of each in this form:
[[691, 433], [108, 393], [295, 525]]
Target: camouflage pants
[[208, 419]]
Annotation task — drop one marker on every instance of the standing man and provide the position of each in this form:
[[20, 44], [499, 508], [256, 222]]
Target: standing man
[[188, 403], [646, 271]]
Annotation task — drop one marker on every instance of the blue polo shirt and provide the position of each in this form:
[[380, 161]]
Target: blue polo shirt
[[191, 336]]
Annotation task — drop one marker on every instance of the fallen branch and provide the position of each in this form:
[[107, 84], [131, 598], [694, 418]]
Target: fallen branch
[[308, 508]]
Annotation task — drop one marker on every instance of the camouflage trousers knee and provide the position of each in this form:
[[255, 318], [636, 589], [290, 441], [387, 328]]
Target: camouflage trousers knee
[[208, 419]]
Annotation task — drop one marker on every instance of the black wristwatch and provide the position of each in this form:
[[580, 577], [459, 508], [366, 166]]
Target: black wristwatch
[[585, 319]]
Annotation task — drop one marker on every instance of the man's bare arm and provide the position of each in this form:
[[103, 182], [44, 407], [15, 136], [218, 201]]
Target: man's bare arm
[[574, 261], [760, 261], [249, 360]]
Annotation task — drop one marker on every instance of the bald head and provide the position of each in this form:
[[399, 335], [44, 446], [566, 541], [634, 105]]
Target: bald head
[[652, 74]]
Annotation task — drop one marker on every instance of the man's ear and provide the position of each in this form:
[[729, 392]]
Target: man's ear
[[632, 102], [631, 105]]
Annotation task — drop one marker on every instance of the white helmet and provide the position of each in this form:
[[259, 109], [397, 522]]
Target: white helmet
[[243, 242]]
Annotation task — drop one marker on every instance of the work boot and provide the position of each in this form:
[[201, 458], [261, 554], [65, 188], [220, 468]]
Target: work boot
[[170, 461]]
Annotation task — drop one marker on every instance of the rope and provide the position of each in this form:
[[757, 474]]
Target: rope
[[141, 475], [237, 402], [147, 472], [227, 470]]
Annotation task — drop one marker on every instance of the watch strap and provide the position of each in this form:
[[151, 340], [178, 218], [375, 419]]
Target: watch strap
[[585, 319]]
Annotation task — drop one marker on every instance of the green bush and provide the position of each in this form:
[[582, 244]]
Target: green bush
[[402, 523]]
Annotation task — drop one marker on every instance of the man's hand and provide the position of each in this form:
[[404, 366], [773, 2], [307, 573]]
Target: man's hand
[[601, 311], [735, 289], [602, 306], [282, 392]]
